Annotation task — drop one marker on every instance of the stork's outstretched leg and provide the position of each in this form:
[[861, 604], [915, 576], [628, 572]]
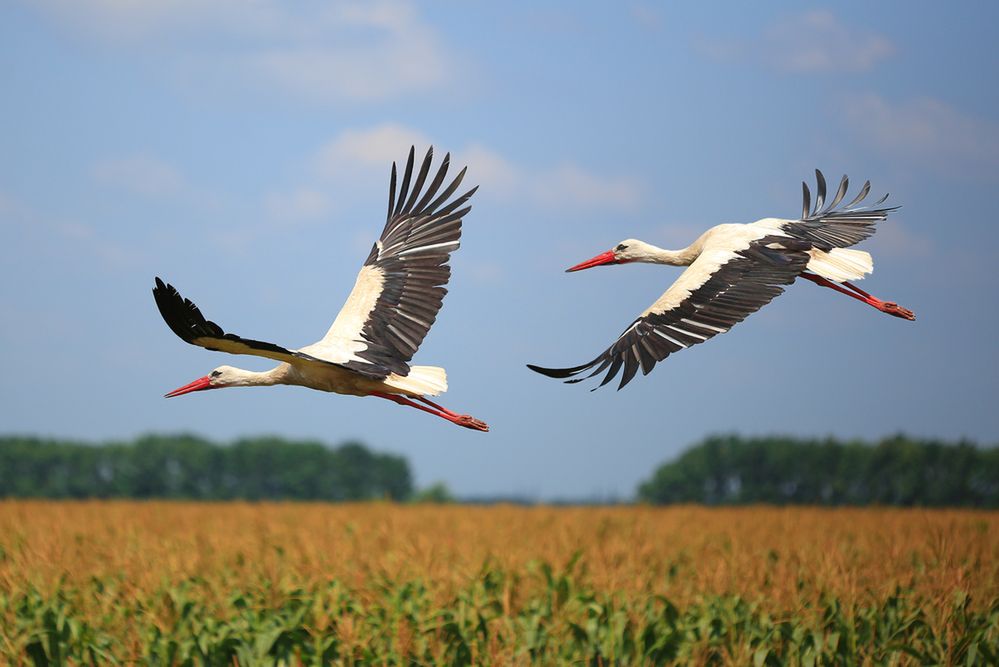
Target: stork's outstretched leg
[[468, 421], [860, 295]]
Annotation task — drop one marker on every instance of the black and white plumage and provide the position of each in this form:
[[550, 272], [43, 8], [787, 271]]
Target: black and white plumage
[[733, 271], [394, 302], [411, 256]]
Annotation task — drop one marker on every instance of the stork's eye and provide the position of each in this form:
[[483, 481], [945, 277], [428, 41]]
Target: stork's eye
[[621, 246], [215, 374]]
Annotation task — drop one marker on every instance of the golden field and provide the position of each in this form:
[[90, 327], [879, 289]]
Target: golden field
[[97, 558]]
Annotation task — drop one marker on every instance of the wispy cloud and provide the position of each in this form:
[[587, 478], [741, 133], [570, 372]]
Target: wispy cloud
[[398, 54], [648, 15], [374, 147], [816, 41], [300, 204], [572, 186], [895, 239], [139, 174], [32, 231], [565, 185], [325, 52], [928, 131]]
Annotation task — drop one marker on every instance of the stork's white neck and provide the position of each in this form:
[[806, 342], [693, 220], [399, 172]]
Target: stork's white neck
[[639, 251], [238, 377]]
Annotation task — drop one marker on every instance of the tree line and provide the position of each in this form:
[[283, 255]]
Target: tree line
[[187, 466], [781, 470], [718, 470]]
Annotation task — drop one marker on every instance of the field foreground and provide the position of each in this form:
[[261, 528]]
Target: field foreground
[[378, 583]]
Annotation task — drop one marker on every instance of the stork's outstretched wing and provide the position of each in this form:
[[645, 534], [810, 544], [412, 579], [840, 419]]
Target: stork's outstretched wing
[[717, 291], [832, 227], [186, 320], [400, 288]]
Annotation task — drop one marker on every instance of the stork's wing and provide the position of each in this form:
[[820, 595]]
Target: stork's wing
[[832, 227], [400, 288], [186, 320], [717, 291]]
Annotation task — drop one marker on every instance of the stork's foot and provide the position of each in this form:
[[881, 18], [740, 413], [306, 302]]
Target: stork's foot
[[468, 421], [894, 309]]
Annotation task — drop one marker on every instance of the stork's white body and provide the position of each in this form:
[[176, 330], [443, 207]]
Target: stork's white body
[[421, 381], [732, 271], [722, 243], [394, 302]]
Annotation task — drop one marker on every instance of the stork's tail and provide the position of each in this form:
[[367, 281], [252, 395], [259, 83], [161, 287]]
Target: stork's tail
[[421, 381], [841, 264]]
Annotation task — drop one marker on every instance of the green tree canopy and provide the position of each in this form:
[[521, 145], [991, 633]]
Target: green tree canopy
[[895, 471], [187, 466]]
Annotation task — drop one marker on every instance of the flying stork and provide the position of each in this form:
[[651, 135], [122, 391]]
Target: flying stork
[[733, 271], [395, 300]]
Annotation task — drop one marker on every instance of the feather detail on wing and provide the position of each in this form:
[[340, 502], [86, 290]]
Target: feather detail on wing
[[185, 319], [401, 286], [708, 298], [831, 227]]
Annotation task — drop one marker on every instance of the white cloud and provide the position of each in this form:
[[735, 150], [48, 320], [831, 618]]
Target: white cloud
[[568, 185], [51, 236], [815, 41], [648, 15], [376, 147], [571, 186], [139, 174], [297, 205], [928, 131], [402, 55], [564, 186], [324, 52], [495, 173], [895, 239]]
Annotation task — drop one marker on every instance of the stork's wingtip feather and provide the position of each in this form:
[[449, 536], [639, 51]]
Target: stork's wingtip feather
[[557, 373]]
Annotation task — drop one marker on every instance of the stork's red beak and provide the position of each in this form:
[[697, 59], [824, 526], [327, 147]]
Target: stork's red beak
[[602, 258], [197, 385]]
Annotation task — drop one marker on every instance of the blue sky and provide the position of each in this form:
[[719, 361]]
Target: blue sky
[[241, 151]]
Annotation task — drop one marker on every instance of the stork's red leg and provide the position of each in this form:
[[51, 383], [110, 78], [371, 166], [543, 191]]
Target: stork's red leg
[[468, 421], [860, 295], [424, 399], [464, 420], [855, 289]]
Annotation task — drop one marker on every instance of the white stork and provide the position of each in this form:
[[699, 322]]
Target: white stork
[[395, 300], [733, 271]]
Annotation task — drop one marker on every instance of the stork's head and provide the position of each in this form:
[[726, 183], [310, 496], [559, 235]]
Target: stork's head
[[223, 376], [628, 250]]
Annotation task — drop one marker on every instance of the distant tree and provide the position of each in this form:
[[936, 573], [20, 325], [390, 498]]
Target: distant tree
[[895, 471], [435, 493], [187, 466]]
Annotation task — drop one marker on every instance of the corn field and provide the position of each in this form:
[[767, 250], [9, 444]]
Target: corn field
[[172, 583]]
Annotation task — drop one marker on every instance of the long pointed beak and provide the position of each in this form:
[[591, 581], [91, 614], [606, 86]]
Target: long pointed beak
[[602, 258], [197, 385]]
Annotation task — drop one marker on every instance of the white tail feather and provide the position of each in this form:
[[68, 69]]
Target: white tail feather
[[422, 380], [841, 264]]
